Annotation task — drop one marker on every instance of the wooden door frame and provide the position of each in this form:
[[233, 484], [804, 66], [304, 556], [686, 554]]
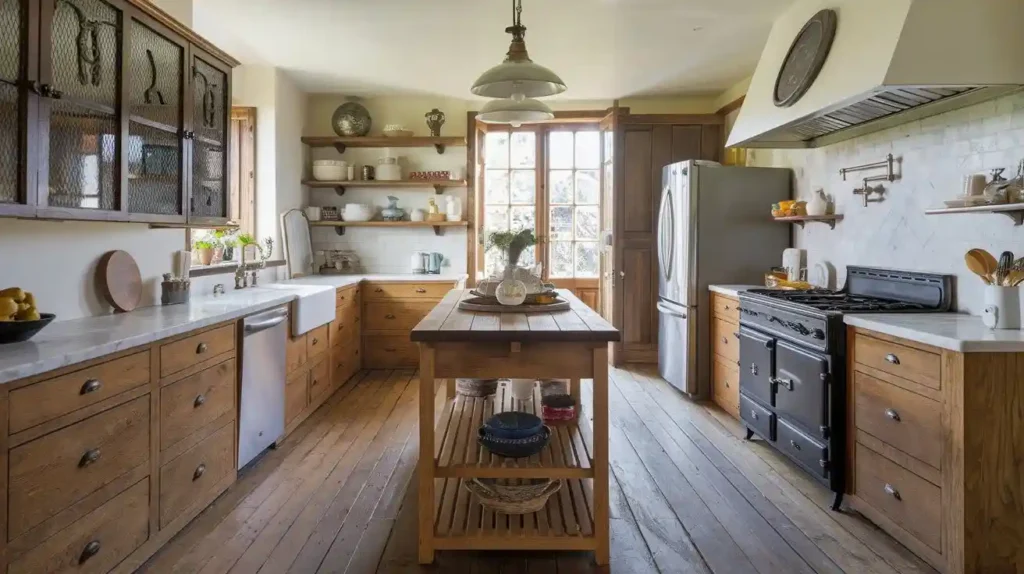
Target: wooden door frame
[[247, 142]]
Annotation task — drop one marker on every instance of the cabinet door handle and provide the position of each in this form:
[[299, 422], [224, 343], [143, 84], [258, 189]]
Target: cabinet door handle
[[783, 382], [90, 456], [201, 348], [892, 359], [200, 401], [91, 386], [200, 471], [389, 316], [421, 290], [891, 491], [892, 414], [91, 549]]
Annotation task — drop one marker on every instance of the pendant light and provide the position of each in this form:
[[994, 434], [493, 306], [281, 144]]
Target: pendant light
[[517, 110], [518, 74]]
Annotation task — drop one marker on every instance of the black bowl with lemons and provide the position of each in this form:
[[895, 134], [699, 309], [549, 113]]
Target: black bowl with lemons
[[19, 319]]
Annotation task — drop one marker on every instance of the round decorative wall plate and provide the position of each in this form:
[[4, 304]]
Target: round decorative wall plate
[[805, 58]]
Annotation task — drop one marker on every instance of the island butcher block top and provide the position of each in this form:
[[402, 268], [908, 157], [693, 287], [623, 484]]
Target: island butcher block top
[[447, 323]]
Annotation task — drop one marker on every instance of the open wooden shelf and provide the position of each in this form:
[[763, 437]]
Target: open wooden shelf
[[1014, 211], [567, 455], [802, 220], [339, 226], [339, 187], [341, 144], [217, 226]]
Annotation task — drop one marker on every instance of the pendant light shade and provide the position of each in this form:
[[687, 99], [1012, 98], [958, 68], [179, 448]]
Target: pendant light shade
[[518, 74], [515, 111]]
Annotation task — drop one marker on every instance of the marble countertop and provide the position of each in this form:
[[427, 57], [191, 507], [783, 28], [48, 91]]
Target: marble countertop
[[732, 290], [952, 331], [65, 343]]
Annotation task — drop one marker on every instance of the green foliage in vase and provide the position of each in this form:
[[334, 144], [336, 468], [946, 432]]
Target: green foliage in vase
[[512, 243]]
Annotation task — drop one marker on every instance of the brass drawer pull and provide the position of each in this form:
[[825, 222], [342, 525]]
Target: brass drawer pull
[[891, 491], [90, 386], [389, 316], [378, 290], [200, 401], [421, 290], [315, 340], [201, 348], [200, 471], [389, 349], [91, 549], [892, 414], [89, 457], [892, 359]]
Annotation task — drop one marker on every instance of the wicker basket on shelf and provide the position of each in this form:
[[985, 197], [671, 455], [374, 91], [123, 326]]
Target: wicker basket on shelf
[[476, 387], [513, 498]]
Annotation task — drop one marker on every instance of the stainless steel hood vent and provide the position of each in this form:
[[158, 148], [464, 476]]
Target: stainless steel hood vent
[[892, 62]]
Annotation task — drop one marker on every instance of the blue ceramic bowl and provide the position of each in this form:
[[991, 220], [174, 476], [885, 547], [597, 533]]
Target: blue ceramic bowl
[[513, 424], [516, 447]]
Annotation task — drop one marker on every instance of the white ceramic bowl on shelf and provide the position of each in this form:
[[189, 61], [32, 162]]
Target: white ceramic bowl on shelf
[[357, 212], [328, 172]]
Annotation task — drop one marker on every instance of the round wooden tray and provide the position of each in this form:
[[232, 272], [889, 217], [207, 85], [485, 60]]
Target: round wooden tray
[[491, 305]]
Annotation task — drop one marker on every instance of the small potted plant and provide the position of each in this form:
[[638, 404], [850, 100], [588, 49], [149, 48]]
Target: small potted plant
[[512, 244], [228, 242], [205, 250]]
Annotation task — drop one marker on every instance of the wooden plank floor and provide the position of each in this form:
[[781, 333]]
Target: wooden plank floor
[[688, 495]]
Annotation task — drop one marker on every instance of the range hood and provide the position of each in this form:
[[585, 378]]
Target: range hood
[[891, 62]]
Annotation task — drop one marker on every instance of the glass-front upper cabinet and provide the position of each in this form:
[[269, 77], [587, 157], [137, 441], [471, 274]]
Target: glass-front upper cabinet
[[209, 139], [80, 75], [155, 107], [14, 198]]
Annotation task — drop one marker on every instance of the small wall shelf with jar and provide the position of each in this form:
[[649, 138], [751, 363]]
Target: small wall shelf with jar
[[802, 220]]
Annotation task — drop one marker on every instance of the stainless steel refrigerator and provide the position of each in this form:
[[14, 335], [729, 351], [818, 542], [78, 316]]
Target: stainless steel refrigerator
[[714, 227]]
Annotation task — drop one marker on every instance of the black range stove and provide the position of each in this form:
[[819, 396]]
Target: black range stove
[[793, 367]]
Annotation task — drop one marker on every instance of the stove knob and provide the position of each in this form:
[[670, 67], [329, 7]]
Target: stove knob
[[819, 334]]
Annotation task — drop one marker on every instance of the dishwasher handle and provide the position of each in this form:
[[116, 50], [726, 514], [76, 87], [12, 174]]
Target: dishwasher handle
[[265, 321]]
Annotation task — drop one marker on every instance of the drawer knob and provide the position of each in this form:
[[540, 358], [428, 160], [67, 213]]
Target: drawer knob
[[201, 348], [200, 401], [727, 307], [91, 549], [891, 491], [890, 358], [727, 385], [378, 290], [736, 334], [389, 316], [794, 444], [316, 341], [90, 386], [892, 414], [89, 457], [725, 341], [753, 414], [421, 290], [200, 471]]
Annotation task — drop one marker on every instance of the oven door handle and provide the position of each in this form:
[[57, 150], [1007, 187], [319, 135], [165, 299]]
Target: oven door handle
[[662, 308], [784, 382]]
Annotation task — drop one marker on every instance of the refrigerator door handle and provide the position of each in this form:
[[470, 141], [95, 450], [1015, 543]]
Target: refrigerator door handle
[[669, 228], [662, 308]]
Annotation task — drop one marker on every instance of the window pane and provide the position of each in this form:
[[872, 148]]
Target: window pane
[[560, 150], [561, 259], [588, 149], [496, 148], [524, 186], [493, 263], [496, 219], [496, 187], [560, 184], [524, 149], [588, 190], [524, 218], [561, 223], [586, 259], [587, 222]]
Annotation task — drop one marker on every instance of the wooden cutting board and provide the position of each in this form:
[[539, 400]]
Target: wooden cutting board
[[119, 280]]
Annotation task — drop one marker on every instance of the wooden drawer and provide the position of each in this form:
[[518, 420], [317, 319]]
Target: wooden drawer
[[395, 315], [317, 341], [726, 307], [905, 498], [319, 380], [903, 419], [723, 340], [194, 402], [295, 352], [347, 296], [725, 377], [52, 472], [379, 291], [192, 477], [47, 400], [913, 364], [183, 354], [344, 364], [296, 396], [390, 352], [345, 327], [96, 542]]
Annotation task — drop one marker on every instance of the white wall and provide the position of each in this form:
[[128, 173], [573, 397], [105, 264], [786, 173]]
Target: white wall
[[290, 155], [936, 153]]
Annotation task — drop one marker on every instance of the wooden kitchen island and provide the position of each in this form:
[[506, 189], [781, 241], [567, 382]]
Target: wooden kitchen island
[[566, 345]]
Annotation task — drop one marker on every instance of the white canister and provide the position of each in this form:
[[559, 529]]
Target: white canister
[[1002, 309], [417, 215], [313, 213]]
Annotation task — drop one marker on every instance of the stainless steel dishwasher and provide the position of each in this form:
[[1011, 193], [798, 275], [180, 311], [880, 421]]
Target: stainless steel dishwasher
[[261, 413]]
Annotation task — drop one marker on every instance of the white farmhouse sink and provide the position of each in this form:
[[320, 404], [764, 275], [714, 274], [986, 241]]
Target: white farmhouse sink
[[313, 305]]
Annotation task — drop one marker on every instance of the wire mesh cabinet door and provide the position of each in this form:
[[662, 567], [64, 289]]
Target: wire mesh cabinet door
[[208, 140], [18, 47]]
